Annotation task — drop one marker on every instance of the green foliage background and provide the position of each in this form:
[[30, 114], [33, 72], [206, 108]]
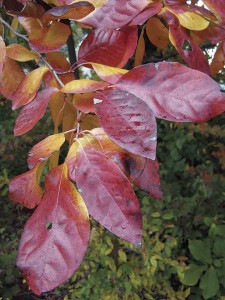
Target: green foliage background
[[182, 255]]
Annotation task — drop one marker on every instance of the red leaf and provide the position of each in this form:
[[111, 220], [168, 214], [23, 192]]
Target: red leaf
[[128, 121], [175, 92], [149, 179], [44, 149], [23, 8], [55, 238], [107, 193], [187, 49], [143, 172], [25, 189], [113, 13], [109, 46], [148, 12], [33, 112], [217, 7]]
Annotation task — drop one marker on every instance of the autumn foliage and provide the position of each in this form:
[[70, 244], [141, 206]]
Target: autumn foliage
[[109, 124]]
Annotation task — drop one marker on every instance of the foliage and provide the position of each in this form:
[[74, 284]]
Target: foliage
[[108, 125]]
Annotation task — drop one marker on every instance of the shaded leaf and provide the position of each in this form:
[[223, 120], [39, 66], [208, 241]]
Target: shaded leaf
[[217, 7], [200, 250], [45, 148], [26, 9], [83, 86], [55, 238], [89, 121], [140, 50], [74, 11], [45, 38], [12, 75], [69, 119], [157, 33], [27, 89], [143, 172], [108, 46], [33, 112], [128, 121], [20, 53], [107, 193], [24, 189], [218, 61], [209, 283], [113, 13], [175, 92], [193, 274]]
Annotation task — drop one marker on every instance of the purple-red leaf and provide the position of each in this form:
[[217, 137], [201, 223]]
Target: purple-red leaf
[[33, 112], [114, 13], [128, 121], [55, 238], [109, 46], [107, 193], [25, 189], [175, 92]]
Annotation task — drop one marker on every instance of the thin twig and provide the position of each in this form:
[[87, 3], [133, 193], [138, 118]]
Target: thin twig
[[14, 31]]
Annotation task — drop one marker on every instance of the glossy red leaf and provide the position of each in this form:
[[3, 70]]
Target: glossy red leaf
[[24, 189], [74, 11], [143, 172], [184, 45], [109, 197], [55, 238], [128, 121], [150, 11], [175, 92], [28, 88], [33, 112], [44, 149], [113, 13], [45, 38], [108, 46], [12, 75]]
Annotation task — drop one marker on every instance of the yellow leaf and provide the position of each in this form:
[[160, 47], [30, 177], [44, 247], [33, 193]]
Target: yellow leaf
[[20, 53], [107, 73], [83, 86], [14, 25], [190, 20]]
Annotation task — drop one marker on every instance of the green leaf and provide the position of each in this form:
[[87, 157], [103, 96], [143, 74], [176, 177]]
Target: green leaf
[[200, 250], [193, 274], [209, 283], [219, 247]]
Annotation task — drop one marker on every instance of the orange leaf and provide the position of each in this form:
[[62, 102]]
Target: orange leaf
[[157, 33], [140, 50], [2, 55], [218, 61], [27, 89], [12, 75], [25, 189], [74, 11], [20, 53], [84, 102], [45, 38], [42, 150]]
